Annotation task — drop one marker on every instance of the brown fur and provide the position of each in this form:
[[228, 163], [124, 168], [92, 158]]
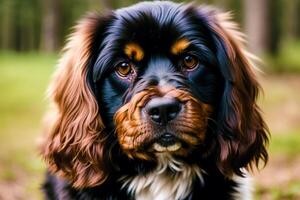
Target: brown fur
[[134, 131], [74, 144], [75, 141], [248, 146]]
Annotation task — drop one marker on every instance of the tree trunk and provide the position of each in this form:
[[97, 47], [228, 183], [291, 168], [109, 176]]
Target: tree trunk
[[293, 18], [298, 19], [256, 24], [8, 24], [275, 33], [51, 25]]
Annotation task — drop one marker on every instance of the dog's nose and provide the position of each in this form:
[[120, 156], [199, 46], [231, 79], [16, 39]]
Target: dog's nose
[[162, 109]]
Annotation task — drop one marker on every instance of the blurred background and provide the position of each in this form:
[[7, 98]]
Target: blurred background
[[33, 31]]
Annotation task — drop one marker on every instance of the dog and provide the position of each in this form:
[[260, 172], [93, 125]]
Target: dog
[[156, 101]]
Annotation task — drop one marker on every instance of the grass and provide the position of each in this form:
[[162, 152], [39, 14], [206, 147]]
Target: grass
[[23, 81], [281, 106], [277, 193], [286, 143]]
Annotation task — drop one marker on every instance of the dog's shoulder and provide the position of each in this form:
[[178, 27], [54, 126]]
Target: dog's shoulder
[[56, 188]]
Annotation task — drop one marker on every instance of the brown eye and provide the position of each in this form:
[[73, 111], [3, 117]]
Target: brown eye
[[124, 69], [190, 62]]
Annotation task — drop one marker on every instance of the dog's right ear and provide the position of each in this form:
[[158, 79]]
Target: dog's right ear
[[75, 143]]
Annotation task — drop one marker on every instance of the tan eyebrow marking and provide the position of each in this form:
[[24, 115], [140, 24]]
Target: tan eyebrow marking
[[179, 46], [133, 50]]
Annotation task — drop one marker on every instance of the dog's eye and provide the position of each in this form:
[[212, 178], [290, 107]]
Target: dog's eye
[[190, 62], [124, 69]]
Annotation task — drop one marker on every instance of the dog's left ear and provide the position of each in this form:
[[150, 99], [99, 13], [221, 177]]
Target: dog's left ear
[[242, 134], [75, 144]]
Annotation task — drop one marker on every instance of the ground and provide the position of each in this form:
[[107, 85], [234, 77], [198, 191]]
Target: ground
[[23, 80], [280, 179]]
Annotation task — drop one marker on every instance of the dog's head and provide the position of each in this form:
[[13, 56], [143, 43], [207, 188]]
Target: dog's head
[[154, 78]]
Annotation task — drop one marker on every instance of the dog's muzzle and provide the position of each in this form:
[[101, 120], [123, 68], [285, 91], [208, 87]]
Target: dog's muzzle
[[161, 111], [160, 120]]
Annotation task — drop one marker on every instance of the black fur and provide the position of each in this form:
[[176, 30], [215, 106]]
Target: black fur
[[155, 27], [216, 187]]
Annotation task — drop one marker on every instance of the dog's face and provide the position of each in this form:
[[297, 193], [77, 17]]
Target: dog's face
[[157, 80], [154, 78]]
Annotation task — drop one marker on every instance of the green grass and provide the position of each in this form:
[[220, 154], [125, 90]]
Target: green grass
[[287, 143], [277, 193], [23, 81]]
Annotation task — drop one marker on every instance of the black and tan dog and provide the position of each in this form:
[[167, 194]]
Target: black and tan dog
[[156, 101]]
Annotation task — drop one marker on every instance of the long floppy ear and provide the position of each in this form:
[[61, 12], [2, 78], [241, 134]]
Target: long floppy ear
[[242, 133], [75, 142]]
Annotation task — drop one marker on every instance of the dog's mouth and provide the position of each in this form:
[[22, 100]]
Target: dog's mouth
[[171, 148], [173, 143], [167, 142]]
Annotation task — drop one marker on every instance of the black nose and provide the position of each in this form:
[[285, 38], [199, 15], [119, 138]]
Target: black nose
[[162, 109]]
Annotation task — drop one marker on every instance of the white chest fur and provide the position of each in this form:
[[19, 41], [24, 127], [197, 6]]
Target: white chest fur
[[170, 180]]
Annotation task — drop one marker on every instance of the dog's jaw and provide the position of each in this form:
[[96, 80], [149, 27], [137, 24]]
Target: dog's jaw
[[171, 179]]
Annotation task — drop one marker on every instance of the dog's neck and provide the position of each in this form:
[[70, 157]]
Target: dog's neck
[[171, 179]]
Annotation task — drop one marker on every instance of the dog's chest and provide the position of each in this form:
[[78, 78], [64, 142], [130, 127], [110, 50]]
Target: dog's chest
[[169, 181]]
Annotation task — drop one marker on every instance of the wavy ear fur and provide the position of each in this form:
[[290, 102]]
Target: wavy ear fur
[[74, 147], [242, 133]]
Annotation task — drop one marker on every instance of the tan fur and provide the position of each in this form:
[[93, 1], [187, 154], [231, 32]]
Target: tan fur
[[134, 51], [179, 46], [133, 130]]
